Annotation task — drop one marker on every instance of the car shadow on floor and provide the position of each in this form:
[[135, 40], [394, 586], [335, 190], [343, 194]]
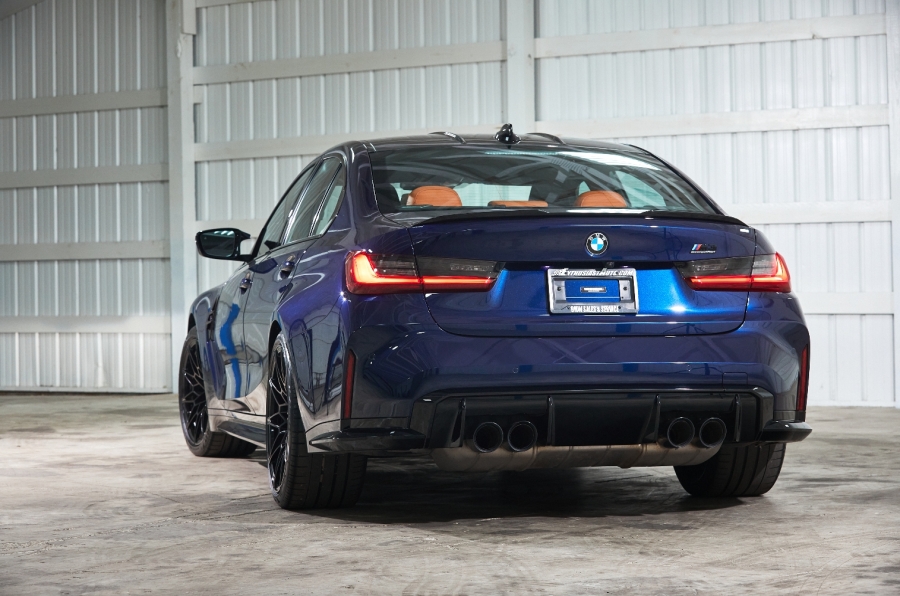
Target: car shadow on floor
[[413, 490]]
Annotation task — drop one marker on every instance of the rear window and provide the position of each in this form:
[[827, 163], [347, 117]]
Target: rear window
[[461, 178]]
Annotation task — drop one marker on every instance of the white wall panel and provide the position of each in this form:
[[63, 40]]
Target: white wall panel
[[851, 360], [583, 17], [816, 73], [60, 48], [256, 31]]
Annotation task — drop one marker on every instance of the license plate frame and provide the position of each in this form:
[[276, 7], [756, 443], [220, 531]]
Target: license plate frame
[[593, 298]]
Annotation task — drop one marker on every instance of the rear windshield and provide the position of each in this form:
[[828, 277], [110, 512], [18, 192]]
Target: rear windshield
[[463, 178]]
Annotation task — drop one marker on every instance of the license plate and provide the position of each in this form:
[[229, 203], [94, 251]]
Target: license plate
[[593, 291]]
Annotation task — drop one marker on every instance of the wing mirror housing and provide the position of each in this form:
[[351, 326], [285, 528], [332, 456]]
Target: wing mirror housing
[[222, 243]]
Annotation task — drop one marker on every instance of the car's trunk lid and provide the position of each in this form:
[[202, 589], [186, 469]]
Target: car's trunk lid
[[519, 304]]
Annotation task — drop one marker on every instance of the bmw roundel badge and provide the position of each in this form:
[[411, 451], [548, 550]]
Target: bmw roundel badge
[[596, 243]]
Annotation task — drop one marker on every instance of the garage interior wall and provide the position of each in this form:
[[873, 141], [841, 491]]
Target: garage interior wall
[[781, 109], [84, 274]]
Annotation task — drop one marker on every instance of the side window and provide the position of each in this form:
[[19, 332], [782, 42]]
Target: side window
[[329, 207], [271, 235], [302, 218], [639, 193]]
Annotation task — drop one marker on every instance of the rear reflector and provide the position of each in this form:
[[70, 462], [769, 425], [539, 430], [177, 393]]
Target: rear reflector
[[390, 274], [762, 273], [803, 380], [349, 371]]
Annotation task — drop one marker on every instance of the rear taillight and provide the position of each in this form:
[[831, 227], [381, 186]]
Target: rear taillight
[[803, 380], [391, 274], [762, 273]]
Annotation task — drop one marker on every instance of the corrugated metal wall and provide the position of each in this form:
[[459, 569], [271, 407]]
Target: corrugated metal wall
[[49, 307], [779, 108]]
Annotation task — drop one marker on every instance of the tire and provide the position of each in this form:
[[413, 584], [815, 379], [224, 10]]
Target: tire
[[298, 479], [735, 471], [193, 411]]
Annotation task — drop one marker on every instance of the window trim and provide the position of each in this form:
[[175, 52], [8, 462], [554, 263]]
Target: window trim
[[319, 161], [337, 207], [258, 246]]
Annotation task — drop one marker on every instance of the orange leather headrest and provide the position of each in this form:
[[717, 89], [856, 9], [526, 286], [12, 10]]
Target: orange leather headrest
[[517, 204], [600, 198], [438, 196]]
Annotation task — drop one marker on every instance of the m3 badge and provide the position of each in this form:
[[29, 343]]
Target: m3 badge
[[703, 249]]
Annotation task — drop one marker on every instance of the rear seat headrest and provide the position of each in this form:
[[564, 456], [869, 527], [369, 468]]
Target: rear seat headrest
[[600, 198], [438, 196]]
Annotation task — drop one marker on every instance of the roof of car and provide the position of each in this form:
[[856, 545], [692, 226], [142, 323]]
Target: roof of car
[[534, 140]]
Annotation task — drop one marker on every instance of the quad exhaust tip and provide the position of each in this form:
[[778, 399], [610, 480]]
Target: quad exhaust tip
[[712, 432], [522, 436], [488, 436], [680, 432]]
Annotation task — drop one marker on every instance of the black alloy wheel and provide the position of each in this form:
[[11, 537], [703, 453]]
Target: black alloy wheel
[[194, 411], [192, 402], [299, 479]]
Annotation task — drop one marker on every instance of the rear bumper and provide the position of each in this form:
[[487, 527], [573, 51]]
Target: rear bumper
[[783, 431], [398, 366], [581, 391], [573, 419]]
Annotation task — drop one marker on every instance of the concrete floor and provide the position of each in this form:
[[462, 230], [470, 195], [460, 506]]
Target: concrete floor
[[99, 495]]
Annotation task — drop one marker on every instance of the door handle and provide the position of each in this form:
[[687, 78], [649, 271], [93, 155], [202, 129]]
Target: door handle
[[245, 284], [287, 267]]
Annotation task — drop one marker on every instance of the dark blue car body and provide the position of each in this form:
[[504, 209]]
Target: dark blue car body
[[426, 367]]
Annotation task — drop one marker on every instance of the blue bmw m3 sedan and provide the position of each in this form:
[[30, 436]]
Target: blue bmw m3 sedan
[[496, 303]]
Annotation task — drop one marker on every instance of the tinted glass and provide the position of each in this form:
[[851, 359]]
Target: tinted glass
[[548, 179], [271, 235], [329, 207], [312, 198]]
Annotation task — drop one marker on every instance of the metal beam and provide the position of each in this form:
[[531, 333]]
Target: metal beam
[[55, 389], [720, 122], [85, 324], [490, 51], [84, 251], [74, 176], [67, 104], [807, 213], [892, 19], [712, 35], [182, 203]]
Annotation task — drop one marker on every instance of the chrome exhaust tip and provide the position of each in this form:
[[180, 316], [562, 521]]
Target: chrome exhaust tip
[[522, 436], [680, 432], [712, 432], [488, 436]]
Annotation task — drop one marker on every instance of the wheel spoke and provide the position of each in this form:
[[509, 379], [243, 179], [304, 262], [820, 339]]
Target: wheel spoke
[[277, 410]]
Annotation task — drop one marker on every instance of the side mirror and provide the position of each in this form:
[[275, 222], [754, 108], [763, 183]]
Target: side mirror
[[222, 243]]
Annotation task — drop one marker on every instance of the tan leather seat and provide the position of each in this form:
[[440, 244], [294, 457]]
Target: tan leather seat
[[600, 198], [517, 204], [437, 196]]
